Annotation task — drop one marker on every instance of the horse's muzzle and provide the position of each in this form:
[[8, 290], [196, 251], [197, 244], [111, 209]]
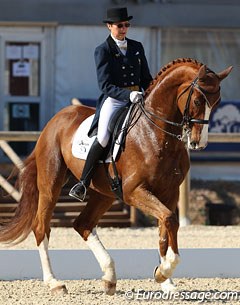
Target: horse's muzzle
[[194, 145]]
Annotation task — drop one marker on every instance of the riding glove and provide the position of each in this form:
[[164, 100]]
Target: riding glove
[[136, 97]]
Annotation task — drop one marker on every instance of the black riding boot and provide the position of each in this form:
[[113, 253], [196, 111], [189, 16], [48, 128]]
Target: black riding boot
[[79, 190]]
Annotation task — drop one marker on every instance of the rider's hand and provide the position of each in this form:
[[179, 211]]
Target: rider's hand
[[136, 97]]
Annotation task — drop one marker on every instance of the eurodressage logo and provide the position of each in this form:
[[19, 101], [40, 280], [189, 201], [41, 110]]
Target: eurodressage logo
[[200, 296], [226, 119]]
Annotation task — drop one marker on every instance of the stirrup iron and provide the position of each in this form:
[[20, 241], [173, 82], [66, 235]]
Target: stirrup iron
[[76, 193]]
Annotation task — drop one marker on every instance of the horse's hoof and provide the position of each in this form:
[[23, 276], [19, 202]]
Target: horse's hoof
[[158, 276], [109, 287], [60, 289]]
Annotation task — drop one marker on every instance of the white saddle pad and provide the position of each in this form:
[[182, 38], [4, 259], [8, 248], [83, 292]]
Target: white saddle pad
[[81, 142]]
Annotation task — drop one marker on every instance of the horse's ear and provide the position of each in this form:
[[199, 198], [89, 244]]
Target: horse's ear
[[202, 73], [224, 73]]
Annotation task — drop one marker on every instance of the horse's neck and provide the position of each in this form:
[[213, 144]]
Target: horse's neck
[[162, 100]]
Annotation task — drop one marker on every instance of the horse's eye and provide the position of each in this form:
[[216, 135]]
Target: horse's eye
[[197, 103]]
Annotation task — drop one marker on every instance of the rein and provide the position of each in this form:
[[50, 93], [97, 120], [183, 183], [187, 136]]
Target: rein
[[115, 182], [187, 119]]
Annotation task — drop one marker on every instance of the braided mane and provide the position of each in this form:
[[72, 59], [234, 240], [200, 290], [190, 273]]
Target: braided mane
[[166, 67]]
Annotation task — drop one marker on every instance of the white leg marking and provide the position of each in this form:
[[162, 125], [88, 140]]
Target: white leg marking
[[168, 286], [169, 263], [104, 259], [204, 133], [48, 276]]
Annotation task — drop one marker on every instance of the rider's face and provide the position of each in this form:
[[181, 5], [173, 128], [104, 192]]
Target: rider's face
[[119, 29]]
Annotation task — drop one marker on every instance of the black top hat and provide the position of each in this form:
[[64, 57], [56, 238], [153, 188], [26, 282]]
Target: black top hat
[[117, 15]]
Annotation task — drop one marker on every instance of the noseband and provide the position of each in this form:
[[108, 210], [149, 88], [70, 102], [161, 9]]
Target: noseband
[[187, 119]]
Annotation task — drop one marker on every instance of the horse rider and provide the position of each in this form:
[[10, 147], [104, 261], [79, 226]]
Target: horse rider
[[123, 74]]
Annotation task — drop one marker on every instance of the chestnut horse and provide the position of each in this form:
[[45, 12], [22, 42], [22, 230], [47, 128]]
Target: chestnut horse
[[173, 118]]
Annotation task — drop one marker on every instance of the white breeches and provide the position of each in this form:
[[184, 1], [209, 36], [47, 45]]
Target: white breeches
[[109, 107]]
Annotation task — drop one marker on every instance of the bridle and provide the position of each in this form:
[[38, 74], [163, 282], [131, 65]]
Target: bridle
[[187, 119]]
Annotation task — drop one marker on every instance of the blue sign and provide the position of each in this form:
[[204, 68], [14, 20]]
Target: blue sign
[[225, 119]]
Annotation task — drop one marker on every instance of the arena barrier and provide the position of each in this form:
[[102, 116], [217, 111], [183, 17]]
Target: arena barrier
[[130, 264]]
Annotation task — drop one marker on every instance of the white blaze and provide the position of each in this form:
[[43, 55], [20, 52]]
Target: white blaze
[[204, 134]]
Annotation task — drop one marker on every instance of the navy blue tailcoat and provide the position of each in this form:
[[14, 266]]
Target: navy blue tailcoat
[[117, 72]]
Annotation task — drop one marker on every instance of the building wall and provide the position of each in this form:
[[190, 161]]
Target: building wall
[[72, 29], [163, 13], [75, 67]]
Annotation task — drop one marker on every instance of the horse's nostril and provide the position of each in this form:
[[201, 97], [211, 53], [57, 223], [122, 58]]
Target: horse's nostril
[[193, 144]]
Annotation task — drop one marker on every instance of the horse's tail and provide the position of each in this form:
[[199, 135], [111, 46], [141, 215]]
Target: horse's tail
[[18, 228]]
